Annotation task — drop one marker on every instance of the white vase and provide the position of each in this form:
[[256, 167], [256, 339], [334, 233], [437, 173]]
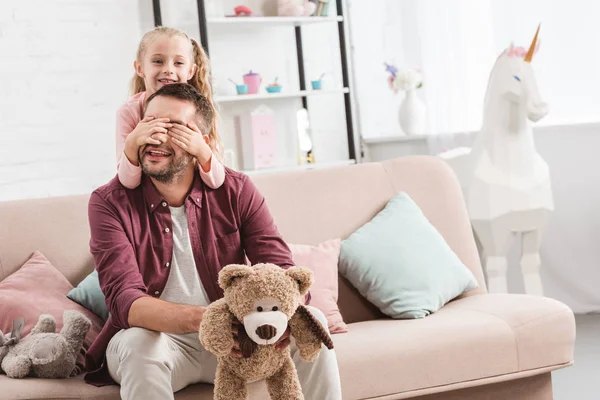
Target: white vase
[[412, 114]]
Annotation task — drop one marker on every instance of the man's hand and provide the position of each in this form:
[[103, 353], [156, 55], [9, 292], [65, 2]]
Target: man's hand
[[190, 139], [284, 340], [143, 135], [235, 351], [192, 319]]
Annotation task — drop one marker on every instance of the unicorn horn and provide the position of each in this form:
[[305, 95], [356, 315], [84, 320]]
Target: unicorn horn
[[531, 50]]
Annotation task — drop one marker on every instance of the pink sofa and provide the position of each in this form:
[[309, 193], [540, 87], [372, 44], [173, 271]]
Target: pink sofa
[[482, 346]]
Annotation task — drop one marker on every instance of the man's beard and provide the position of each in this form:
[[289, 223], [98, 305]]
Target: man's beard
[[171, 172]]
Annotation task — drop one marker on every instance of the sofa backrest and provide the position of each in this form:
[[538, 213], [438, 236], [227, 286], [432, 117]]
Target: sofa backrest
[[308, 206]]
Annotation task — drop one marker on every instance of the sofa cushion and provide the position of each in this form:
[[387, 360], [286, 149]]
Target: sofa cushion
[[89, 295], [39, 288], [322, 260], [473, 338], [401, 263]]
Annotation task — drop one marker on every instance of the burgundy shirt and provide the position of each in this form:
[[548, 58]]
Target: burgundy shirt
[[132, 244]]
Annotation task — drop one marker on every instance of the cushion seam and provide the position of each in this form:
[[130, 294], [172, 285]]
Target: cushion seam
[[512, 330]]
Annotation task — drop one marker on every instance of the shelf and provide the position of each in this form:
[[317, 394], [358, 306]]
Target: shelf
[[273, 21], [304, 167], [408, 138], [282, 95]]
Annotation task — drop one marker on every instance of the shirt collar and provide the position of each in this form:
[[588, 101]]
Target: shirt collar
[[154, 198]]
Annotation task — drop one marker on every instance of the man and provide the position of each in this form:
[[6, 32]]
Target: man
[[158, 249]]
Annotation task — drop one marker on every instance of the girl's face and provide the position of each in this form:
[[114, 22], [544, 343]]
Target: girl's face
[[166, 60]]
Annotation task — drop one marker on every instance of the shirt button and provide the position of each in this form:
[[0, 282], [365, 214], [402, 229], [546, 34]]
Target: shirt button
[[197, 200], [151, 205], [156, 293], [167, 230], [164, 203], [167, 265]]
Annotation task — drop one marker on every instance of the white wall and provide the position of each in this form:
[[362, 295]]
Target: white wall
[[65, 70], [456, 43]]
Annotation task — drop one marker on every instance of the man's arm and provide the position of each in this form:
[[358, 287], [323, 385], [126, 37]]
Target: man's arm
[[162, 316], [261, 240], [122, 283]]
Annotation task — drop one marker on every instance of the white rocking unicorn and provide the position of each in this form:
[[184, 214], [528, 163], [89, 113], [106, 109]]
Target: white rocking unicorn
[[505, 181]]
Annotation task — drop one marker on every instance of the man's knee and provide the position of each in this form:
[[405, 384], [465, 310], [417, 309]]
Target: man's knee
[[318, 314], [138, 343]]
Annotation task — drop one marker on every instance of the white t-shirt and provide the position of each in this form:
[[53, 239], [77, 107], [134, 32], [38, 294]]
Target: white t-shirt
[[183, 285]]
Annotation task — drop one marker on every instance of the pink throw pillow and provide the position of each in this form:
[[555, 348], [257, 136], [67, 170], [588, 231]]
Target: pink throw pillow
[[322, 260], [39, 288]]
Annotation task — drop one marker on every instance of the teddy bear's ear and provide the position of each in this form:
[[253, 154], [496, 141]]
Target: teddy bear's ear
[[303, 276], [232, 271]]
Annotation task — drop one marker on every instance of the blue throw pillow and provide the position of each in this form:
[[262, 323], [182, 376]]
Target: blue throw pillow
[[402, 264], [90, 296]]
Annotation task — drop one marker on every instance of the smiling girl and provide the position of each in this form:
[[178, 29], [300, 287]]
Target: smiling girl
[[166, 56]]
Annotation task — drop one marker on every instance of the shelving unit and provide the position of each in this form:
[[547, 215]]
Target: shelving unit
[[282, 95], [273, 21], [303, 93]]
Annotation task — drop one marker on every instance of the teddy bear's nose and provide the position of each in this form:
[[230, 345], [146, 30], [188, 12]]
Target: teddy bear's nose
[[266, 332]]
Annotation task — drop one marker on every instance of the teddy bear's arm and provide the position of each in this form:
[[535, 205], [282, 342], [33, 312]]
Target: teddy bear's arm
[[309, 334], [215, 328]]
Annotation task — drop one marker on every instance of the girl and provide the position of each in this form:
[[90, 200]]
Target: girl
[[165, 56]]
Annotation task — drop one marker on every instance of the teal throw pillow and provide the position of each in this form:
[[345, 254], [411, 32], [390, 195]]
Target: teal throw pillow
[[90, 296], [402, 264]]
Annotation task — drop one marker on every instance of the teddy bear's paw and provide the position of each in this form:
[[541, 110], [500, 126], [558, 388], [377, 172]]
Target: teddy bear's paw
[[218, 346], [310, 352], [17, 366]]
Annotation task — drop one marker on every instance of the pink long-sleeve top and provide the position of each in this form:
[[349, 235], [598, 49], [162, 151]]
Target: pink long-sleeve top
[[130, 176]]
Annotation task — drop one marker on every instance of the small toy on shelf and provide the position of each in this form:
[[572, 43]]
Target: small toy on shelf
[[244, 11], [317, 84], [253, 80], [295, 8], [274, 87], [240, 89], [322, 8]]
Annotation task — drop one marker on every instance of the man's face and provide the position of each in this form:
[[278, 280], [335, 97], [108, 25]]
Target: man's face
[[167, 162]]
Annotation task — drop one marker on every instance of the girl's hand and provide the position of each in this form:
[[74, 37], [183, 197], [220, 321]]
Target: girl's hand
[[143, 135], [190, 139]]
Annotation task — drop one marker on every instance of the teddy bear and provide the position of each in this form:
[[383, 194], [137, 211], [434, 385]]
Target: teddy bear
[[295, 8], [267, 301], [44, 353]]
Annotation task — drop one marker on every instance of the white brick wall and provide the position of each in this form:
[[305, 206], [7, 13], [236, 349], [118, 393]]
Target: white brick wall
[[64, 71]]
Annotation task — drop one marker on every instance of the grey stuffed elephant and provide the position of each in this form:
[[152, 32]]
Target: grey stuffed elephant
[[44, 353]]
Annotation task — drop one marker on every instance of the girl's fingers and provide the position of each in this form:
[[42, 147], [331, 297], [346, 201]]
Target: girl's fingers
[[157, 129], [194, 127], [147, 119], [161, 124], [179, 143], [185, 129], [161, 137], [181, 132], [152, 141]]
